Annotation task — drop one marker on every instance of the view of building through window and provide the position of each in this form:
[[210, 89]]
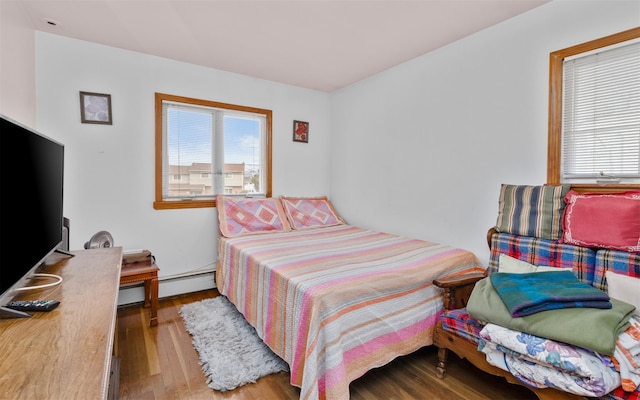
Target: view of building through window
[[196, 180]]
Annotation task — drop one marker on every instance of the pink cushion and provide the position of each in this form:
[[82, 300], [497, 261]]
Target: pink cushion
[[242, 216], [604, 220], [310, 212]]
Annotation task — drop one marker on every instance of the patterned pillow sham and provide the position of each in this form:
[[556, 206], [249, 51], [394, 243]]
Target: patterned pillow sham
[[310, 212], [239, 216], [534, 211], [603, 220]]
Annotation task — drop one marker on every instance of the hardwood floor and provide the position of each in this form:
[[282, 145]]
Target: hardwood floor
[[161, 363]]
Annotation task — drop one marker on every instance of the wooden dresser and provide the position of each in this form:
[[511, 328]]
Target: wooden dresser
[[65, 353]]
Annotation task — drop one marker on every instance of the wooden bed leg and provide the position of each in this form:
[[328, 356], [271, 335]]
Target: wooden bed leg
[[441, 369]]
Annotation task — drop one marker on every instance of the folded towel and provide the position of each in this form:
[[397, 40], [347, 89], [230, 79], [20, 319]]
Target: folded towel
[[526, 294]]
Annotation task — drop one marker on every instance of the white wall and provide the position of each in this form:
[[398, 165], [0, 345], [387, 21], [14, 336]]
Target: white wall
[[17, 64], [109, 169], [422, 148]]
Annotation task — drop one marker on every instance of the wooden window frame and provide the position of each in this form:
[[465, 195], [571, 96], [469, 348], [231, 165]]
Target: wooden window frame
[[554, 149], [160, 203]]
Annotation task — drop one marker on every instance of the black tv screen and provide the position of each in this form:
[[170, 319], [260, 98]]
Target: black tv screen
[[31, 214]]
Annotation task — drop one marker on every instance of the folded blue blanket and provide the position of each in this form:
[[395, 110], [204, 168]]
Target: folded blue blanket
[[526, 294]]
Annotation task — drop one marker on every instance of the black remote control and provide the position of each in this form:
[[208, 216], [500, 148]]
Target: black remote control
[[33, 305]]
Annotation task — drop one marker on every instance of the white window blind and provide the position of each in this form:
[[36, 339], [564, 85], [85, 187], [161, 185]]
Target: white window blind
[[205, 146], [601, 115]]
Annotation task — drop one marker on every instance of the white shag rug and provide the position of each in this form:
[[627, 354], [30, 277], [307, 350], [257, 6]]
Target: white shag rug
[[231, 353]]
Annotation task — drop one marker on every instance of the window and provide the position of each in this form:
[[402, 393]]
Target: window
[[594, 113], [205, 148]]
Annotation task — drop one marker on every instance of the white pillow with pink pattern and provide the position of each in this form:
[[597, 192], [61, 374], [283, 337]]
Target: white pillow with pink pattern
[[310, 212], [239, 216]]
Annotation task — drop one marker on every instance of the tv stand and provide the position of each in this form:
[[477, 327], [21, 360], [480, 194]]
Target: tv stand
[[66, 352], [65, 252], [6, 312]]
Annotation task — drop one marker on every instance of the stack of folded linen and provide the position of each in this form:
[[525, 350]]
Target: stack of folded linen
[[541, 363], [627, 356], [550, 330], [595, 329]]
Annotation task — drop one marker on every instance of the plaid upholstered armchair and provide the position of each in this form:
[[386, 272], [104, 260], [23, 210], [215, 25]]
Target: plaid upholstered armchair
[[532, 232]]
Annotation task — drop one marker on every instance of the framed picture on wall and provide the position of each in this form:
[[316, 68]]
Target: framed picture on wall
[[300, 131], [95, 108]]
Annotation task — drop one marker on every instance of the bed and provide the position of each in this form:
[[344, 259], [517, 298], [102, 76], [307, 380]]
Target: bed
[[331, 299]]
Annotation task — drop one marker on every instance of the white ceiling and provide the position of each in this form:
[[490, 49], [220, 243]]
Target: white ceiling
[[322, 45]]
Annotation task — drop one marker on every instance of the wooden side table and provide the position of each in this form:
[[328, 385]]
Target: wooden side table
[[146, 272]]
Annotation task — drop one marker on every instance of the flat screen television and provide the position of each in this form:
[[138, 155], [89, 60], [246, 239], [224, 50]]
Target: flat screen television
[[31, 214]]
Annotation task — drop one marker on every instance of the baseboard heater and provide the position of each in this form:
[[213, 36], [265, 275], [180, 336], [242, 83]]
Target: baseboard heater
[[167, 281], [186, 275]]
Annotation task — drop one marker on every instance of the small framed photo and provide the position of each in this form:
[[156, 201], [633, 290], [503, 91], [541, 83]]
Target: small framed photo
[[300, 131], [95, 108]]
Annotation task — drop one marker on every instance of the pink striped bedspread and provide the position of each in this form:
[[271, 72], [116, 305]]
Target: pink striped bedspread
[[338, 301]]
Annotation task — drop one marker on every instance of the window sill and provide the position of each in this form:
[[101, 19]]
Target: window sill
[[174, 205], [603, 188]]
